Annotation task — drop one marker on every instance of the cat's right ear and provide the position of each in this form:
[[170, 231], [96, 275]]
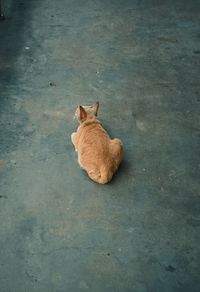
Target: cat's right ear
[[83, 114], [96, 107]]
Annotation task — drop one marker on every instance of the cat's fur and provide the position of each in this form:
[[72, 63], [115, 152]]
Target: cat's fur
[[98, 154]]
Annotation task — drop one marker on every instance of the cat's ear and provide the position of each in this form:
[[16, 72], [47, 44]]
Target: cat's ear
[[96, 107], [83, 114]]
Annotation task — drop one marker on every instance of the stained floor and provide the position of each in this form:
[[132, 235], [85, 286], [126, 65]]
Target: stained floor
[[59, 231]]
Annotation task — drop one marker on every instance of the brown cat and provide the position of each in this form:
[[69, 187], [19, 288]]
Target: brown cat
[[99, 155]]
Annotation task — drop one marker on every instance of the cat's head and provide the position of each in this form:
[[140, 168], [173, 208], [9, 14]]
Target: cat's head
[[83, 111]]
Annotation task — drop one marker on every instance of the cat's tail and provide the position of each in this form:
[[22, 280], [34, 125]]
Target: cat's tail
[[102, 177]]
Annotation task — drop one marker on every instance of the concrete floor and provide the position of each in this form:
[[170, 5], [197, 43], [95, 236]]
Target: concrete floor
[[59, 231]]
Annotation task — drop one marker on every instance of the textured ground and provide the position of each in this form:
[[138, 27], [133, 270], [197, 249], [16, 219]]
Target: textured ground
[[59, 231]]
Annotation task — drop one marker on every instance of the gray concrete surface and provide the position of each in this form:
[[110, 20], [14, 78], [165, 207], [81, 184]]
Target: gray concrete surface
[[59, 231]]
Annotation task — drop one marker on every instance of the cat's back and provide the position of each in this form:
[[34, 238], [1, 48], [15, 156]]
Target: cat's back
[[92, 135], [94, 152]]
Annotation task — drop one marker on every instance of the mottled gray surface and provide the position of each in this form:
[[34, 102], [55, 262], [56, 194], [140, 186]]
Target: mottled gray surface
[[59, 231]]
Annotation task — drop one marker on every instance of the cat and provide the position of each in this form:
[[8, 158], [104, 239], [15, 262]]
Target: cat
[[98, 154]]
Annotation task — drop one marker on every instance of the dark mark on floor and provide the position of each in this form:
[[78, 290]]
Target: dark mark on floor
[[3, 197], [170, 269], [52, 84], [194, 222]]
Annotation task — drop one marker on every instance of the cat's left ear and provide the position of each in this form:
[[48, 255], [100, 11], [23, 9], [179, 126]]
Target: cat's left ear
[[96, 107], [83, 114]]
